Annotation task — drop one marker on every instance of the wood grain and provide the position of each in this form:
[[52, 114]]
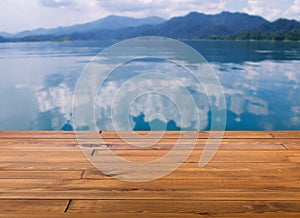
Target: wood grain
[[192, 207], [32, 206], [152, 215], [46, 174], [129, 144]]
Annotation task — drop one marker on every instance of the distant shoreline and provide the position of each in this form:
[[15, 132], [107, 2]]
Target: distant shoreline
[[193, 26], [183, 39]]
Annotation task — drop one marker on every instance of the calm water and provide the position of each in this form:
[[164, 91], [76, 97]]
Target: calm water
[[260, 81]]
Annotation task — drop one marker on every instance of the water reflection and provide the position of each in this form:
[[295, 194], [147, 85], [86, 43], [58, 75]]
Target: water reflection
[[262, 95], [68, 126], [157, 124], [154, 93], [260, 81], [54, 100]]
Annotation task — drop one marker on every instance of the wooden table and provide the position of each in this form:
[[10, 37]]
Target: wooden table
[[253, 174]]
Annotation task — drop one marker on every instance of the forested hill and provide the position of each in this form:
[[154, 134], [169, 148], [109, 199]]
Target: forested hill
[[195, 25], [281, 29]]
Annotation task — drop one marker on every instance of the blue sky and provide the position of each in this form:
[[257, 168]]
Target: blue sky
[[18, 15]]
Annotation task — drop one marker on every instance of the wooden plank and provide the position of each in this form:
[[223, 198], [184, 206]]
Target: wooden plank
[[164, 144], [31, 144], [247, 134], [277, 168], [200, 144], [196, 173], [152, 215], [203, 195], [42, 156], [286, 134], [271, 156], [150, 135], [254, 174], [32, 206], [187, 171], [47, 134], [290, 144], [114, 134], [37, 134], [189, 207], [186, 134], [23, 174], [164, 141], [55, 166], [40, 141], [85, 185]]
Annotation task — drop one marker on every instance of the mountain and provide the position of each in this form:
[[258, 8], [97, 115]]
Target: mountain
[[6, 35], [279, 30], [2, 39], [198, 25], [107, 23], [280, 25], [194, 25]]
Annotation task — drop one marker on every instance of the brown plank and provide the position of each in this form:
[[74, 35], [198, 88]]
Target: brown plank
[[86, 185], [200, 144], [34, 144], [33, 206], [189, 207], [163, 141], [40, 141], [23, 174], [47, 134], [277, 168], [291, 144], [164, 144], [150, 135], [254, 174], [271, 156], [286, 134], [53, 166], [208, 195], [247, 134], [36, 134], [186, 134], [42, 156], [207, 174], [129, 134], [152, 215]]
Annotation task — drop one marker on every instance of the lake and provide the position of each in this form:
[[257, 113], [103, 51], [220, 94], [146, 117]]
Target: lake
[[260, 81]]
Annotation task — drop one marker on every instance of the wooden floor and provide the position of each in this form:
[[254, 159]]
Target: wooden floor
[[254, 174]]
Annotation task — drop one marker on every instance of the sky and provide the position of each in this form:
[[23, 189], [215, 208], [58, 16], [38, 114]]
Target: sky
[[18, 15]]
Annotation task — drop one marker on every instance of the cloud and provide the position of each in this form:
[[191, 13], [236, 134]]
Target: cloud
[[130, 5], [56, 3], [293, 11], [163, 8], [270, 10], [16, 15]]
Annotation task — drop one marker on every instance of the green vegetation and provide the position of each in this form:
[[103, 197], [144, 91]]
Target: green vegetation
[[194, 26], [280, 30], [293, 35], [63, 40]]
